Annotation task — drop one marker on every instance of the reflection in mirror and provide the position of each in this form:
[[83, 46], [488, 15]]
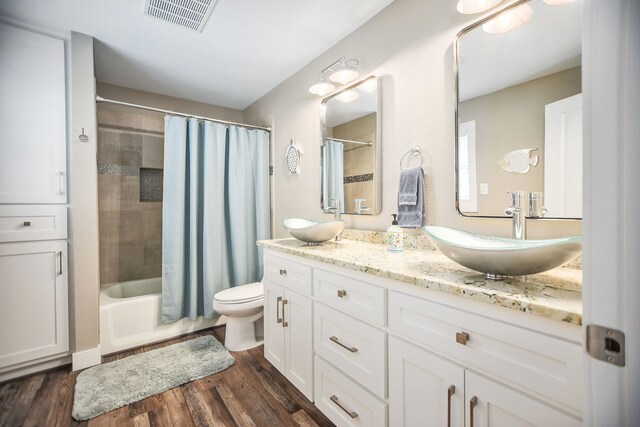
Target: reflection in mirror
[[351, 149], [519, 114]]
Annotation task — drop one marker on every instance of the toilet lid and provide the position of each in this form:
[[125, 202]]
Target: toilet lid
[[238, 294]]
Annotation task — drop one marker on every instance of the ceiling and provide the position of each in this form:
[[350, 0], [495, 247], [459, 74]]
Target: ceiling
[[550, 42], [246, 49]]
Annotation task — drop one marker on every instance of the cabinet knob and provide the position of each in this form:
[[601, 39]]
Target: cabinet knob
[[283, 272], [462, 338], [342, 293], [26, 224]]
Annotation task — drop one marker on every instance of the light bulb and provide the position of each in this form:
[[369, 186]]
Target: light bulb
[[321, 87], [468, 7], [509, 20], [344, 75]]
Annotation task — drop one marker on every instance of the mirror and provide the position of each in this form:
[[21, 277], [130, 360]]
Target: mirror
[[519, 112], [350, 159]]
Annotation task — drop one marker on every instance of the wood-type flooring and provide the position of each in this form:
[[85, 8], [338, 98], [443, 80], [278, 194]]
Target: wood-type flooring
[[250, 393]]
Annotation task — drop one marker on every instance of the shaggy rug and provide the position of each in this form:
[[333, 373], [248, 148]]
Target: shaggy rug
[[103, 388]]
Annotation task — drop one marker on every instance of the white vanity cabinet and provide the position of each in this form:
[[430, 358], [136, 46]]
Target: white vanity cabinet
[[388, 353], [288, 321], [32, 117]]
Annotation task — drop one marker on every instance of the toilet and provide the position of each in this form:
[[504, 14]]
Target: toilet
[[243, 306]]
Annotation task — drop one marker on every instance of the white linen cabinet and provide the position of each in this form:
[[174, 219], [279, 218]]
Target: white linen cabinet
[[32, 118], [288, 321], [34, 324]]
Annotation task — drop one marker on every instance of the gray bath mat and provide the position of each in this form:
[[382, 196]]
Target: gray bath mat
[[107, 387]]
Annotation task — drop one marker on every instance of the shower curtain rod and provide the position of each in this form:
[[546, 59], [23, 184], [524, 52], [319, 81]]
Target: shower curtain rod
[[175, 113], [350, 141]]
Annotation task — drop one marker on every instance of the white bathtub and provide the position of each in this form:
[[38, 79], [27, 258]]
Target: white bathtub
[[130, 316]]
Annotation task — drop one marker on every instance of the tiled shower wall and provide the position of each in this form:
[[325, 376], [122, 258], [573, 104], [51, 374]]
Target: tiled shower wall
[[130, 161]]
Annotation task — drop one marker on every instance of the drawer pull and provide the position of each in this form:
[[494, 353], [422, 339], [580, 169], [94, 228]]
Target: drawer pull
[[278, 318], [472, 404], [462, 338], [342, 293], [284, 322], [283, 272], [60, 273], [352, 414], [450, 392], [335, 340], [26, 224]]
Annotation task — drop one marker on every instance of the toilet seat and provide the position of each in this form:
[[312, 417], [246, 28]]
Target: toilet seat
[[240, 294]]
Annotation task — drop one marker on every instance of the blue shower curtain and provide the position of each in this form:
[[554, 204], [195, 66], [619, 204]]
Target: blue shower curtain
[[215, 207], [333, 177]]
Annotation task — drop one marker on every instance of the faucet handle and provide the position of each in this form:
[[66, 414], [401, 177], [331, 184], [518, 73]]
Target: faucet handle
[[511, 210]]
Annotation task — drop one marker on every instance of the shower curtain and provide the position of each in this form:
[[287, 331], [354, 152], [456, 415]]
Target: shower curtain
[[215, 207], [333, 177]]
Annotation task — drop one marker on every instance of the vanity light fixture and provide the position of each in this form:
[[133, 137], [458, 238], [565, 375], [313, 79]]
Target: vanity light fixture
[[341, 71], [469, 7], [557, 2], [321, 87], [348, 96], [509, 20]]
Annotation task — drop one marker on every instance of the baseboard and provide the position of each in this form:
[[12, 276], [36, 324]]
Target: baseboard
[[33, 367], [86, 358]]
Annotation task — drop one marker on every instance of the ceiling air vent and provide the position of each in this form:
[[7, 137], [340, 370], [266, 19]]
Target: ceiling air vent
[[192, 14]]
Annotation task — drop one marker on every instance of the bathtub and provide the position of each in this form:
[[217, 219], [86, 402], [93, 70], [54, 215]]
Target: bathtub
[[130, 316]]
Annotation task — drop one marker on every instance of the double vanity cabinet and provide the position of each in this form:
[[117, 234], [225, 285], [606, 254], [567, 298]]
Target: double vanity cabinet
[[371, 349]]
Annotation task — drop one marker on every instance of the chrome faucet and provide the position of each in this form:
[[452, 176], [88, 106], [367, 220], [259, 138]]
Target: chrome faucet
[[517, 211], [360, 208], [336, 214]]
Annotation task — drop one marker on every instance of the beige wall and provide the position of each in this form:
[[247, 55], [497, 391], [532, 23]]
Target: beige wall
[[513, 119], [358, 159], [84, 282], [409, 45]]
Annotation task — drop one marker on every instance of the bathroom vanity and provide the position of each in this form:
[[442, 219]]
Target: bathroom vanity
[[406, 339]]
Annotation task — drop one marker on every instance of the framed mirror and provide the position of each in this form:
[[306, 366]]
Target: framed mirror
[[519, 111], [351, 149]]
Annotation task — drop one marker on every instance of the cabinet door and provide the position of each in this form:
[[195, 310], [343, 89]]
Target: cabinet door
[[273, 329], [33, 301], [424, 389], [32, 118], [491, 404], [298, 318]]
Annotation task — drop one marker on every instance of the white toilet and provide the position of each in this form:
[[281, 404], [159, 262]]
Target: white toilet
[[243, 306]]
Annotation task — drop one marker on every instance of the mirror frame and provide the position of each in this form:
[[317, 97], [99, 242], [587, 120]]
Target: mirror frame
[[456, 56], [377, 173]]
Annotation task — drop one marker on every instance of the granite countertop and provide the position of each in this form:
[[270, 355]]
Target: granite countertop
[[556, 294]]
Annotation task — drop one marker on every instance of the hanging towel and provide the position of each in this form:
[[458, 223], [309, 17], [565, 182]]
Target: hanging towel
[[411, 212]]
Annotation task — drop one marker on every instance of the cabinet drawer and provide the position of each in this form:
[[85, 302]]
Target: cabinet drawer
[[543, 364], [288, 273], [343, 401], [19, 223], [354, 347], [358, 298]]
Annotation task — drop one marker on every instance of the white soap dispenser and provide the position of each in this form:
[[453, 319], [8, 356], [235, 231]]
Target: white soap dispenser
[[395, 235]]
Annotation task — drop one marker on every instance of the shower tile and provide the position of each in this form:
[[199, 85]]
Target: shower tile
[[109, 263], [152, 260], [119, 148], [118, 192], [150, 185], [131, 262], [152, 226], [152, 151], [120, 227]]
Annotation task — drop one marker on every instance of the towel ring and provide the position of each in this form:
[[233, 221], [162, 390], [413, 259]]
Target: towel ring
[[413, 152]]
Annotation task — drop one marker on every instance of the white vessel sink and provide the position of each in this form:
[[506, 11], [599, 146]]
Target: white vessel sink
[[313, 231], [498, 257]]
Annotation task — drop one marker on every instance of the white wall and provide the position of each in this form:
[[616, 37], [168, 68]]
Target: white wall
[[410, 45]]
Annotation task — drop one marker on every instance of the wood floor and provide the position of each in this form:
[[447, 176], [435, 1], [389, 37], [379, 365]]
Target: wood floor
[[249, 393]]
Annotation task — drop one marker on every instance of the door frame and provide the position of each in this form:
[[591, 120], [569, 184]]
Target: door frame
[[611, 292]]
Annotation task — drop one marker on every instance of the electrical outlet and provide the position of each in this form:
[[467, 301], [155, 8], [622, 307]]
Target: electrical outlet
[[484, 188]]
